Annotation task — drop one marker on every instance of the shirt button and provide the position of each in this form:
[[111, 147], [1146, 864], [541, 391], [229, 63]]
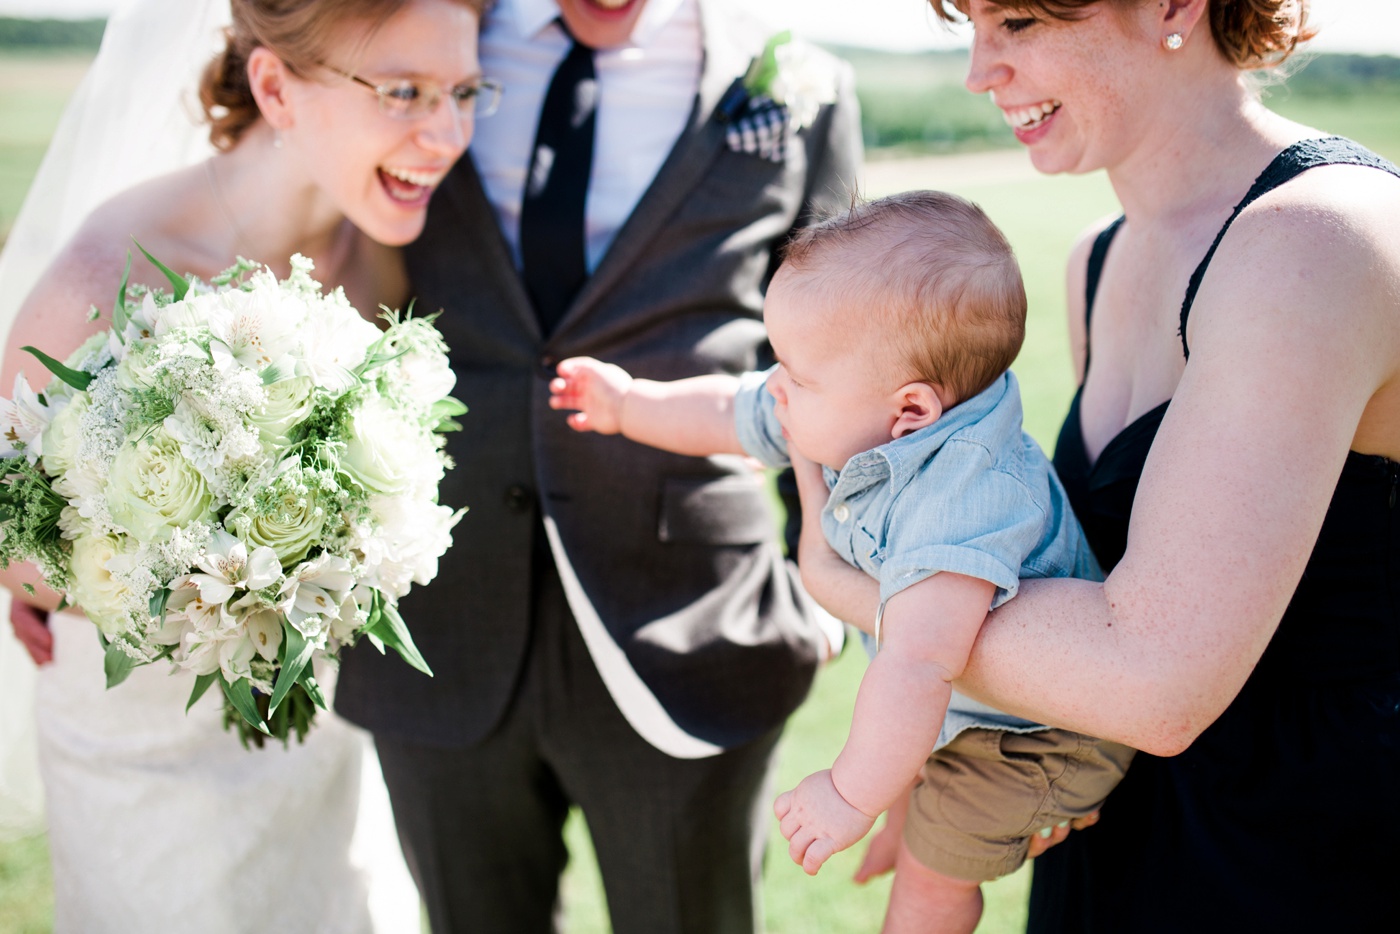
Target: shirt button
[[841, 513]]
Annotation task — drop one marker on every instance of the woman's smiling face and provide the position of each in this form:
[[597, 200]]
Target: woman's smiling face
[[1073, 91], [378, 169]]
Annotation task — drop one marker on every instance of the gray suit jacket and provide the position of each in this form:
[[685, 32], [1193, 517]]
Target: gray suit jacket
[[671, 564]]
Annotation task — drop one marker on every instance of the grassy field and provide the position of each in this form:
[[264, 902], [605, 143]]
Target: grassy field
[[1041, 217]]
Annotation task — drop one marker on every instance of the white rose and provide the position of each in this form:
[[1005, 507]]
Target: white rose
[[153, 490], [100, 595], [289, 402], [410, 536], [62, 437], [388, 453], [334, 342]]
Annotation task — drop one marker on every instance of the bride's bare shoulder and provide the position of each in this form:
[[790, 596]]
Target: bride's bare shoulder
[[167, 215]]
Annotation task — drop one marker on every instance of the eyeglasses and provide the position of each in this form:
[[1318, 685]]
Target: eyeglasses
[[409, 99]]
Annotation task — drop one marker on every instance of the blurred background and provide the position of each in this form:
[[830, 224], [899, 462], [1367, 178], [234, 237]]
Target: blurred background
[[922, 130]]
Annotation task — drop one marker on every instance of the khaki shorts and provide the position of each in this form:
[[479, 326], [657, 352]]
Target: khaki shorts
[[982, 796]]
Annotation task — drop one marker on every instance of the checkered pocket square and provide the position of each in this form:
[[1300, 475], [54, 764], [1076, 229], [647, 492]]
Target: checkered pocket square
[[761, 129]]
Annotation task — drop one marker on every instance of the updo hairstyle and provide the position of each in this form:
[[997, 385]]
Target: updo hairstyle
[[1251, 34], [299, 32]]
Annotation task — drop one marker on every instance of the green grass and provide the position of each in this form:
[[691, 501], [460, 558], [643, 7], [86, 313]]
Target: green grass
[[1041, 216]]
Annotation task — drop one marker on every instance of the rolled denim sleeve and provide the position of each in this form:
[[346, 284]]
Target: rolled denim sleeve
[[760, 435], [979, 520]]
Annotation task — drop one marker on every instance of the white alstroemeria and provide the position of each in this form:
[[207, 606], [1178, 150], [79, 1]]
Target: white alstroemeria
[[425, 376], [228, 568], [205, 614], [261, 326], [235, 657], [805, 80], [264, 628], [313, 593], [23, 419]]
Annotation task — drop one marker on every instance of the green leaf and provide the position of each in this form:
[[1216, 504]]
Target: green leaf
[[392, 629], [312, 689], [119, 313], [764, 68], [296, 655], [159, 599], [240, 695], [116, 664], [201, 684], [178, 284], [75, 378]]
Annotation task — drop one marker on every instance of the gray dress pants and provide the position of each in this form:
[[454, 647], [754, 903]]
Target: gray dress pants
[[679, 842]]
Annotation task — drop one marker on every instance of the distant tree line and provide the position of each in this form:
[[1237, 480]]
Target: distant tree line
[[50, 33]]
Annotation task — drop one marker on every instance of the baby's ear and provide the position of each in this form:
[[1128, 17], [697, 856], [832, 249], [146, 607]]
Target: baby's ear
[[918, 407]]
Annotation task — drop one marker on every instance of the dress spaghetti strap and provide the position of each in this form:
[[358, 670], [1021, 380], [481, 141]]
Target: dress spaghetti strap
[[1287, 165]]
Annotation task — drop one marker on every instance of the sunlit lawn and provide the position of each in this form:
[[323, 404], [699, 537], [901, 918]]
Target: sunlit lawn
[[1041, 217]]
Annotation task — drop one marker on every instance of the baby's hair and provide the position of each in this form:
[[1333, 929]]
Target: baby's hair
[[936, 275]]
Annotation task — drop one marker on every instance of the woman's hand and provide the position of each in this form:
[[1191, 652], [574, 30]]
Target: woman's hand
[[1040, 842], [31, 626]]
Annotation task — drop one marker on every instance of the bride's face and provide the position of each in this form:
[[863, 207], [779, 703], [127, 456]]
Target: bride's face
[[378, 168]]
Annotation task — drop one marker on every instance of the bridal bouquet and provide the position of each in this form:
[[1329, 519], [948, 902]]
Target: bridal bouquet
[[236, 477]]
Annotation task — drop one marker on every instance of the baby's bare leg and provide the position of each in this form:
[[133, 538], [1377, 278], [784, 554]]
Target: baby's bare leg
[[922, 900]]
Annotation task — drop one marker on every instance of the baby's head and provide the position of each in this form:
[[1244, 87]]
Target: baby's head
[[886, 315]]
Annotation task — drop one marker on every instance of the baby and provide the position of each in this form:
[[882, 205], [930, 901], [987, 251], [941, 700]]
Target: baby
[[894, 324]]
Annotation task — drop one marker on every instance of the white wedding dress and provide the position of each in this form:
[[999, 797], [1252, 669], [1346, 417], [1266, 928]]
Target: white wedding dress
[[161, 822]]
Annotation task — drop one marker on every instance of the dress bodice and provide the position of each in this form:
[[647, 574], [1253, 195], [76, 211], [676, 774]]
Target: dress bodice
[[1288, 800]]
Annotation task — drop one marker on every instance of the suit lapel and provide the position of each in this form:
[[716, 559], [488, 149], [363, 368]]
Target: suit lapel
[[725, 62], [482, 235]]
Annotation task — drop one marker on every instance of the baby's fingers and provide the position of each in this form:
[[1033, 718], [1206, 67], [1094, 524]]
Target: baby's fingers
[[782, 805], [819, 852], [579, 422], [798, 843]]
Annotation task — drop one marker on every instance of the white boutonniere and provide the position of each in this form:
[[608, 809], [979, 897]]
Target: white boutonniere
[[793, 75], [781, 93]]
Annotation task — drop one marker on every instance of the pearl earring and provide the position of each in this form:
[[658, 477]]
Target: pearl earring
[[1173, 41], [277, 139]]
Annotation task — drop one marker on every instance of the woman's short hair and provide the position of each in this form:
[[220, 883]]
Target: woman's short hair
[[1252, 34], [299, 32]]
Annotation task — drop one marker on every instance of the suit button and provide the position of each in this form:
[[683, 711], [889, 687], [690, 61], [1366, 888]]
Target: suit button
[[519, 498], [547, 363]]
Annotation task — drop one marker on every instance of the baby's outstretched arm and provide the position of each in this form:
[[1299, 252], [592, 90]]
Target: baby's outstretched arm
[[689, 416], [929, 630]]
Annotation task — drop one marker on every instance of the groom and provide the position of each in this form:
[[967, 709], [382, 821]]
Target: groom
[[614, 627]]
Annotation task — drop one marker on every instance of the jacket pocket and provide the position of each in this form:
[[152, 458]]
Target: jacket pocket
[[729, 510]]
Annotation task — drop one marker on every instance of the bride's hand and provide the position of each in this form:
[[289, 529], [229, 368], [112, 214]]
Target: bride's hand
[[31, 626]]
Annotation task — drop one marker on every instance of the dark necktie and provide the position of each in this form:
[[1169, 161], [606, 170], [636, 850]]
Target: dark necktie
[[552, 210]]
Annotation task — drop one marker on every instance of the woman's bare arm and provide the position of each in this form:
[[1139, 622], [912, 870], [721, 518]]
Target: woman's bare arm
[[1288, 349]]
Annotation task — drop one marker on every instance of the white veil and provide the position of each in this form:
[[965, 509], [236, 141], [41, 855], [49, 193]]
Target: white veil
[[134, 116]]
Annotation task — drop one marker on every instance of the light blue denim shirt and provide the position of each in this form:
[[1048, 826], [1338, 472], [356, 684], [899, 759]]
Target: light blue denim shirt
[[972, 494]]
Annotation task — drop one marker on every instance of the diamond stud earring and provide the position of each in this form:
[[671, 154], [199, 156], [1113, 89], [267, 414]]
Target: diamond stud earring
[[1173, 41]]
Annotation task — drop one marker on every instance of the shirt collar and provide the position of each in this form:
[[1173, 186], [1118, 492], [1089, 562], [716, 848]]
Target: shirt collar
[[529, 17], [903, 457]]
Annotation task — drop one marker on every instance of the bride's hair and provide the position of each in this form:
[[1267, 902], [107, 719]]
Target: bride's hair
[[1252, 34], [299, 32]]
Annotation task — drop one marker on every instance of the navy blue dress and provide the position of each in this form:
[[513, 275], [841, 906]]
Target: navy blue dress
[[1284, 815]]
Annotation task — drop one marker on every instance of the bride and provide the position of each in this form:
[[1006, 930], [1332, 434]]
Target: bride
[[334, 120]]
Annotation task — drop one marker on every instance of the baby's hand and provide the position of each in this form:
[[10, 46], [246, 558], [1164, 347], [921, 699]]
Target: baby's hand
[[818, 822], [595, 389]]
